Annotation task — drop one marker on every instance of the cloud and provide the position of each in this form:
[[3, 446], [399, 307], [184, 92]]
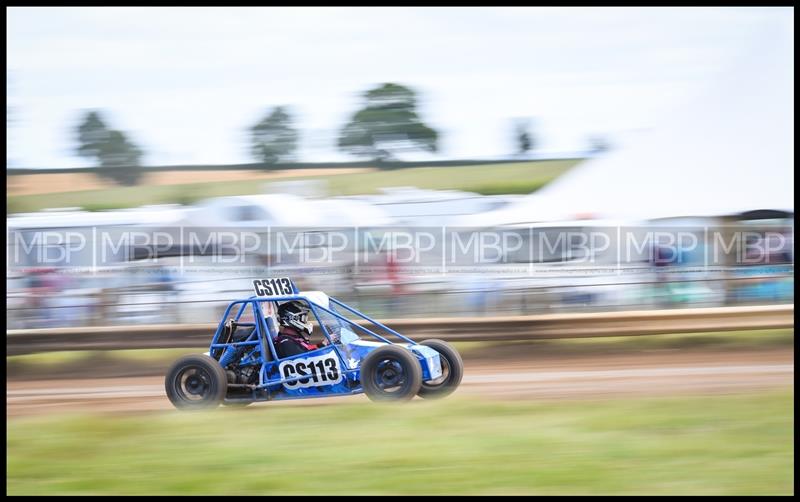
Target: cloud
[[192, 79]]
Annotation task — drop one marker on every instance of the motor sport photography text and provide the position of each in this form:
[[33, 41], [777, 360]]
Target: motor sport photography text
[[423, 250]]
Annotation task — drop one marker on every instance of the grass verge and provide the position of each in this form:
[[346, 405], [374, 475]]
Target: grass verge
[[720, 341], [726, 445], [487, 179]]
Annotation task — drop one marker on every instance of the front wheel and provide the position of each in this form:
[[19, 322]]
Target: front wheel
[[391, 373], [452, 371], [196, 382]]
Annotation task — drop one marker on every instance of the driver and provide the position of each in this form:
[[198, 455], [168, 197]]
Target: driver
[[294, 336]]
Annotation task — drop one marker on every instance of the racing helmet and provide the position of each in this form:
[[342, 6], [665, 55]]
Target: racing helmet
[[295, 314]]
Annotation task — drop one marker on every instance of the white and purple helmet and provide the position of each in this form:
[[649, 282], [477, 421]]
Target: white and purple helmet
[[295, 314]]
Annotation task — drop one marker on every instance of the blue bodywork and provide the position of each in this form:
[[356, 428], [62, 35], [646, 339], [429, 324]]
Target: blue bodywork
[[330, 370]]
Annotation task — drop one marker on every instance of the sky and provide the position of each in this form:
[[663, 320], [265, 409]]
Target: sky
[[186, 83]]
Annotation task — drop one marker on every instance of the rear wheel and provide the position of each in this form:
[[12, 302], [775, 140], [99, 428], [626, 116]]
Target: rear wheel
[[196, 382], [391, 373], [452, 371]]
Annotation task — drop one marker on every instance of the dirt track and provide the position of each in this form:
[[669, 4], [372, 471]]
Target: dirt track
[[641, 374]]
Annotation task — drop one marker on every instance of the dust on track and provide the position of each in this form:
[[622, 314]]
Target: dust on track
[[520, 377]]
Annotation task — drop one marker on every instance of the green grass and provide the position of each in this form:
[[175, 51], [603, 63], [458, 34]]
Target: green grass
[[517, 178], [722, 340], [46, 359], [733, 444]]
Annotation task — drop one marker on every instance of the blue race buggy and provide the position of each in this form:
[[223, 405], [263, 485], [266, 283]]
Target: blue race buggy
[[242, 365]]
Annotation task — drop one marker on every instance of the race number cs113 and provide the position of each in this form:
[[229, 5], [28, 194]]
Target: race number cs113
[[273, 287], [315, 371]]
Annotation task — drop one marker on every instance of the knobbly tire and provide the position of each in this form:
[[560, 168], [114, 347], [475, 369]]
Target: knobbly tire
[[391, 373], [452, 371], [196, 382]]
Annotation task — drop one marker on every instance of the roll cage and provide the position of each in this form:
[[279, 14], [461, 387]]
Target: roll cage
[[224, 346]]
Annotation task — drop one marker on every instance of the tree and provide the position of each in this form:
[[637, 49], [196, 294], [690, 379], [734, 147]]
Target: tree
[[92, 133], [525, 142], [273, 139], [387, 124], [119, 159], [116, 156]]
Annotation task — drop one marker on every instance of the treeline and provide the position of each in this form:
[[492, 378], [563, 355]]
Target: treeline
[[386, 124]]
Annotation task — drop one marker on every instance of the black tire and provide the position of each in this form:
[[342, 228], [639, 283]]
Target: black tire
[[196, 382], [391, 373], [452, 371]]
